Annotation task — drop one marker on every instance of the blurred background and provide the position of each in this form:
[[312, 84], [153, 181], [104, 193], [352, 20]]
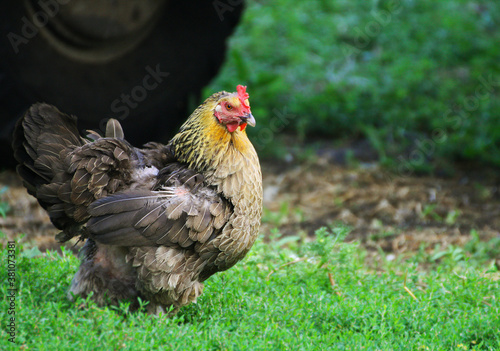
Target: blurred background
[[143, 62], [381, 114], [404, 75]]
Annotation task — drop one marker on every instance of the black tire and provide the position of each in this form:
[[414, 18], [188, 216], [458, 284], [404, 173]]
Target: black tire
[[186, 46]]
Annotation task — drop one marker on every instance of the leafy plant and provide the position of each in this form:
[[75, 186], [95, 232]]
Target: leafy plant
[[351, 69]]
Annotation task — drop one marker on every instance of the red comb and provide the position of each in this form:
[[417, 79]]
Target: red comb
[[243, 95]]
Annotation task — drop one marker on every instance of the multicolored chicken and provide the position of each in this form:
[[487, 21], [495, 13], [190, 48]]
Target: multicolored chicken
[[157, 221]]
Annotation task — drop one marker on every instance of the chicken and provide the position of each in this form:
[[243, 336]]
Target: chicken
[[157, 221]]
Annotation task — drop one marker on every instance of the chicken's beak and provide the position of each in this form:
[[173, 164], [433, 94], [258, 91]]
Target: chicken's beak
[[248, 119]]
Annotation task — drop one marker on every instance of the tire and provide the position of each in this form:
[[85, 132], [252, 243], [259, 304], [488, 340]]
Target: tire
[[165, 70]]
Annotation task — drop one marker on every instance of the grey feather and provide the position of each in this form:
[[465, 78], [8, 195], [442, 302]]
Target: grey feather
[[114, 129]]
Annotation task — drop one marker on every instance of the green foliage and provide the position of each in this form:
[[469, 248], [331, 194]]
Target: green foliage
[[4, 206], [329, 248], [280, 217], [481, 251], [475, 253], [418, 78], [286, 294]]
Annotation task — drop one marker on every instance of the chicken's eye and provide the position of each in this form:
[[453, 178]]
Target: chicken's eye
[[229, 107]]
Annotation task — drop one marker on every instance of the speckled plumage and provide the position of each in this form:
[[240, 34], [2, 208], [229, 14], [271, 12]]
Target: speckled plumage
[[158, 220]]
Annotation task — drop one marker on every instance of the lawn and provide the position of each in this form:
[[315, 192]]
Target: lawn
[[290, 293]]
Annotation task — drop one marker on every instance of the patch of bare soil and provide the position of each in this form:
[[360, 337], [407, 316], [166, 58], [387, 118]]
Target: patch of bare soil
[[25, 218], [385, 211]]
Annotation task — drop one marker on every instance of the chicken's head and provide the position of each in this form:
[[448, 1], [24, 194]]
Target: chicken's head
[[233, 110]]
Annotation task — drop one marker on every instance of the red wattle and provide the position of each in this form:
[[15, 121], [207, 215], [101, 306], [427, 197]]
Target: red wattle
[[243, 126], [231, 127]]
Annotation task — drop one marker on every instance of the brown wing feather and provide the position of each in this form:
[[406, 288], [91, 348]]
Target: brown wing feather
[[181, 212], [65, 172]]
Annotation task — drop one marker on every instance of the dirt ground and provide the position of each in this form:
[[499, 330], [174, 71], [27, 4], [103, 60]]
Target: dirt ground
[[384, 210], [394, 213]]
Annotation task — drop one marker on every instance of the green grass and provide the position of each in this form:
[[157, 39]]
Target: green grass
[[286, 295], [407, 75]]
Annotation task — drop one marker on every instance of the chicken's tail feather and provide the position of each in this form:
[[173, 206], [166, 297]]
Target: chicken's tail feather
[[42, 138]]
